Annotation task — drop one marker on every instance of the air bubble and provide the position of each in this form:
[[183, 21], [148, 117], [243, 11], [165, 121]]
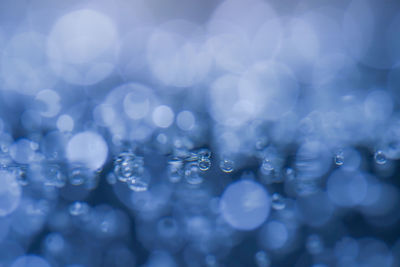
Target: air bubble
[[278, 202], [128, 166], [380, 157], [339, 158], [227, 165], [204, 164]]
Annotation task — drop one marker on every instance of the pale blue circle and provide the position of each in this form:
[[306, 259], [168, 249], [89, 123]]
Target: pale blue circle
[[245, 205]]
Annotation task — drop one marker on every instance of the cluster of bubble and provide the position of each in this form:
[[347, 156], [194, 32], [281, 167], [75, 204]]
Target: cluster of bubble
[[244, 133]]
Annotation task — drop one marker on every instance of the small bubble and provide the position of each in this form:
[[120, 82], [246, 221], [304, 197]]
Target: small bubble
[[262, 259], [339, 158], [204, 163], [79, 175], [278, 202], [78, 208], [204, 153], [380, 157], [314, 244], [55, 177], [139, 183], [227, 165], [267, 168], [127, 166]]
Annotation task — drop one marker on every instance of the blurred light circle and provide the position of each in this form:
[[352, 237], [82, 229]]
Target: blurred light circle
[[87, 148], [138, 101], [270, 89], [378, 105], [51, 101], [185, 120], [83, 47], [183, 59], [10, 193], [31, 261], [274, 235], [347, 188], [368, 37], [163, 116], [226, 107], [24, 66], [22, 151], [65, 123], [245, 205]]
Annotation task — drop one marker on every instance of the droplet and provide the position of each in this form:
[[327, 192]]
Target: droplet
[[339, 158], [192, 174], [262, 259], [278, 202], [78, 208], [380, 157], [227, 165], [204, 163]]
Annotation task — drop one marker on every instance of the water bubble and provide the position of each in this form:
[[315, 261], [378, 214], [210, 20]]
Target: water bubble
[[262, 259], [314, 244], [204, 163], [339, 158], [55, 177], [192, 174], [79, 175], [227, 165], [380, 157], [139, 183], [278, 202], [127, 166], [267, 167], [204, 153], [78, 208]]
